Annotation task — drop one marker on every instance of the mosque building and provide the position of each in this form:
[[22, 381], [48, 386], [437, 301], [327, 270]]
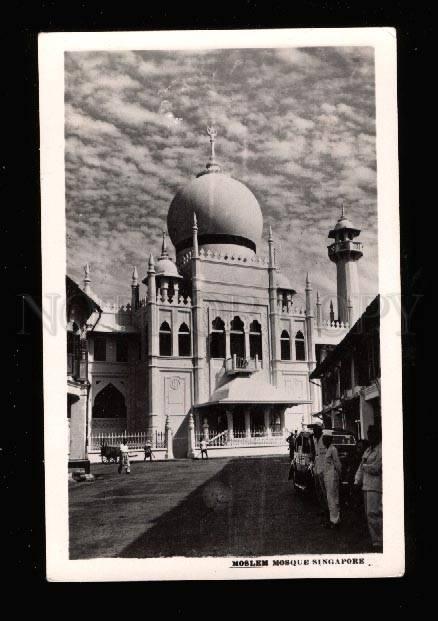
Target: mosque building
[[217, 347]]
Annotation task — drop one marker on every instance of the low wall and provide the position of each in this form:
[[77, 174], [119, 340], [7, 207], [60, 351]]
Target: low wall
[[242, 451], [158, 454]]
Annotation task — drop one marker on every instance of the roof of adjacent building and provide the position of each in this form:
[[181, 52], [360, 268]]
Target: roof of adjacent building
[[368, 319], [74, 289], [251, 390]]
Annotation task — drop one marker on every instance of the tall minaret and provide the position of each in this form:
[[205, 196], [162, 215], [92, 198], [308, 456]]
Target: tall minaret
[[345, 252], [152, 352], [273, 309]]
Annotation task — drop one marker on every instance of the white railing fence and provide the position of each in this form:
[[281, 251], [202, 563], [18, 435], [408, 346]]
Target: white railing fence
[[258, 437], [136, 441]]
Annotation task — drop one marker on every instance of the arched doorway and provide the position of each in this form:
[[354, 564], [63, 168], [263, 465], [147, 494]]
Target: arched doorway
[[109, 410]]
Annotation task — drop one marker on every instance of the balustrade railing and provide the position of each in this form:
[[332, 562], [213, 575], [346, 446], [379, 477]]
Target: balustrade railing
[[345, 245], [136, 441], [240, 363]]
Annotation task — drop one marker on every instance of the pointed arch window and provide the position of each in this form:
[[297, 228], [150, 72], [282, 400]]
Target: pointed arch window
[[165, 339], [237, 338], [217, 338], [255, 340], [285, 345], [109, 403], [300, 351], [184, 342]]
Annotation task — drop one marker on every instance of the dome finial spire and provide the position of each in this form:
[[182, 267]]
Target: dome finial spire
[[342, 211], [212, 132], [212, 165]]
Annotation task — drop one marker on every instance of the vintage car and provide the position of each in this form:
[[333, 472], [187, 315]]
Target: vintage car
[[301, 469]]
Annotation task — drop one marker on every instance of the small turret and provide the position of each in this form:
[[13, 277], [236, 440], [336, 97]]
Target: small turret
[[332, 313], [135, 295]]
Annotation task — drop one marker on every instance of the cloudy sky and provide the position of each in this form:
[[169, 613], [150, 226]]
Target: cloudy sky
[[297, 126]]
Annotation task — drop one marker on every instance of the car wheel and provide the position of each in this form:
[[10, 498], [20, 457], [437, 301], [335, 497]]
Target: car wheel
[[294, 480]]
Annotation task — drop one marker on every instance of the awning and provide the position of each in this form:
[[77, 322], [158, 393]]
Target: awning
[[252, 390]]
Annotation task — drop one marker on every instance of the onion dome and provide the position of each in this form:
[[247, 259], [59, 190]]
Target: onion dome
[[165, 267], [343, 224], [227, 212]]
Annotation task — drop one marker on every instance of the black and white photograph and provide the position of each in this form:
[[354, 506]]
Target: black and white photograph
[[222, 349]]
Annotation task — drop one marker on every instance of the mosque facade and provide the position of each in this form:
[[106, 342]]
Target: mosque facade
[[215, 345]]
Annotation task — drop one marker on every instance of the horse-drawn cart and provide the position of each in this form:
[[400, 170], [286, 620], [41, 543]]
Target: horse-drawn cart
[[109, 454]]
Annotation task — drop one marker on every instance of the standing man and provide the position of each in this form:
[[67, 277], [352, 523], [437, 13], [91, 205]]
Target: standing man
[[291, 441], [124, 457], [369, 477], [318, 469], [332, 476], [203, 447], [148, 450]]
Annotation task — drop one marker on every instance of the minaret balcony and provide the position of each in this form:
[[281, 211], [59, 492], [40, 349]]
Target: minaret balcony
[[237, 365], [347, 246]]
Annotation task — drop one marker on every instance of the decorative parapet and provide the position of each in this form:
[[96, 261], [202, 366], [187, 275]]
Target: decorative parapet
[[223, 257], [115, 308], [340, 325], [181, 301]]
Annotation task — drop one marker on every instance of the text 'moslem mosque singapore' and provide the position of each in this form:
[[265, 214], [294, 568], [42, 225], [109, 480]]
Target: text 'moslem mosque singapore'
[[215, 343]]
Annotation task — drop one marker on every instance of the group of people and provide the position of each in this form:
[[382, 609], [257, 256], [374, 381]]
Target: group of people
[[124, 461], [366, 475]]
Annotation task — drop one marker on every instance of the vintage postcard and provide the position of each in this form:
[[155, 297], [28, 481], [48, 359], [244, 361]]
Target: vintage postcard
[[221, 303]]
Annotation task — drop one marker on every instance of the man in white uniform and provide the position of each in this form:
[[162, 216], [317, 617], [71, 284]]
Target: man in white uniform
[[124, 457], [332, 476], [369, 477], [318, 469]]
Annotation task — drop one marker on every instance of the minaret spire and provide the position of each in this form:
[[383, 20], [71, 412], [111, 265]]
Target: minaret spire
[[164, 253], [308, 284], [134, 276], [135, 299], [87, 278], [151, 264]]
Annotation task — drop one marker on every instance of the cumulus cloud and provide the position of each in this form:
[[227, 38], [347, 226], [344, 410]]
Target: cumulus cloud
[[296, 125]]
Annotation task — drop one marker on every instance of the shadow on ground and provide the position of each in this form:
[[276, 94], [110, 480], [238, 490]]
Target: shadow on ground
[[248, 508]]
